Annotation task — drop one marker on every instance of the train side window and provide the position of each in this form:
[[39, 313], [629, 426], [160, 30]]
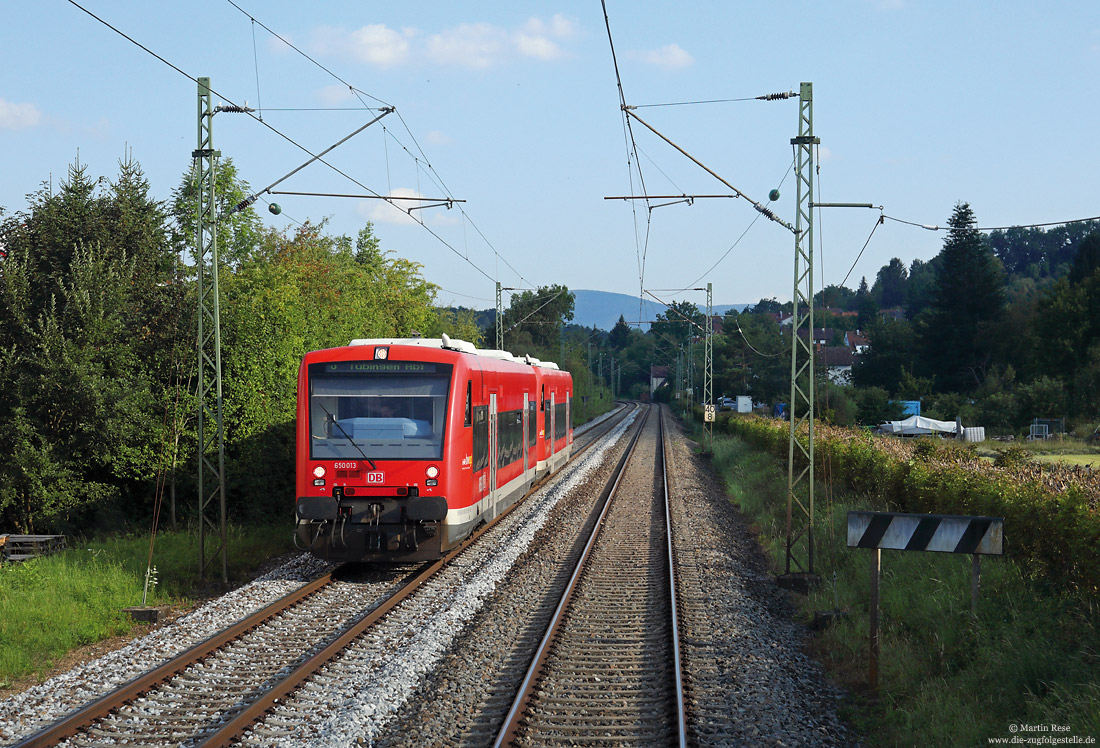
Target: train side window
[[543, 405], [469, 402], [481, 438]]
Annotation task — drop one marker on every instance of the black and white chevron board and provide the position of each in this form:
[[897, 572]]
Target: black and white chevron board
[[944, 533]]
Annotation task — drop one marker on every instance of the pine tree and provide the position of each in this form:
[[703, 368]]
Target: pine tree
[[619, 337], [865, 306], [968, 297]]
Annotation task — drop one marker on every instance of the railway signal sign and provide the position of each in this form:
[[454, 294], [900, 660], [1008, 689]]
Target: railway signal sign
[[926, 532], [943, 533]]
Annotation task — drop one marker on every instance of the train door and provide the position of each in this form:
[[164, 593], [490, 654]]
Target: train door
[[527, 426], [569, 417], [493, 438], [553, 422]]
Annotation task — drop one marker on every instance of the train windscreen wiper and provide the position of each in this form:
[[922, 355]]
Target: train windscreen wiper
[[350, 439]]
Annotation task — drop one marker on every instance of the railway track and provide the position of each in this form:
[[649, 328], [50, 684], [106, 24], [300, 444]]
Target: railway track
[[607, 669], [211, 694]]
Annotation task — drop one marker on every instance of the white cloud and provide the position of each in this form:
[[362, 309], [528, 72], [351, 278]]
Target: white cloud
[[538, 47], [435, 137], [668, 57], [382, 46], [383, 211], [471, 45], [540, 38], [15, 116], [375, 44]]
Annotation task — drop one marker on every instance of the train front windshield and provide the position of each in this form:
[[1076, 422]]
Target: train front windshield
[[381, 410]]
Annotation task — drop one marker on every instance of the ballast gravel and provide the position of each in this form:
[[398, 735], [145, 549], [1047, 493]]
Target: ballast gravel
[[748, 680], [355, 696]]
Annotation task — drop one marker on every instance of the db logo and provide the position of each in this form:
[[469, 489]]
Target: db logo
[[376, 477]]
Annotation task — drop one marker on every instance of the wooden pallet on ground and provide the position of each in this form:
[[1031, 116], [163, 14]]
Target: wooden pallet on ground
[[23, 547]]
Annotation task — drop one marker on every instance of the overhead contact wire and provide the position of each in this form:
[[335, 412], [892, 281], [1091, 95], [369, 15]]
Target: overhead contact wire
[[743, 233], [273, 129], [996, 228], [303, 54], [256, 65], [878, 222], [634, 148], [438, 179]]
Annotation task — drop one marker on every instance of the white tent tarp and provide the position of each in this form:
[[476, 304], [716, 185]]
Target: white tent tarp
[[918, 425]]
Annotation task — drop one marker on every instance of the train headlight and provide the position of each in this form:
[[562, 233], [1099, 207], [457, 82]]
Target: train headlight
[[432, 471], [381, 353], [319, 471]]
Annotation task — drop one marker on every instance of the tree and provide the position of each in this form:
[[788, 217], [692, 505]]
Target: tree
[[751, 357], [1087, 261], [297, 292], [874, 406], [82, 332], [891, 284], [922, 283], [682, 320], [239, 231], [1066, 328], [837, 297], [968, 297], [460, 324], [536, 317], [892, 353], [866, 306], [766, 306], [674, 328], [619, 337]]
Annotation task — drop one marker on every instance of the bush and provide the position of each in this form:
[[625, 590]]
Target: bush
[[1052, 517], [1014, 456]]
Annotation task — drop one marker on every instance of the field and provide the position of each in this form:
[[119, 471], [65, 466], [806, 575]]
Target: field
[[1086, 460]]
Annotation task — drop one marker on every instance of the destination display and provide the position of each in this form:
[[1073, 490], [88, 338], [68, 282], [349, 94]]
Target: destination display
[[378, 367]]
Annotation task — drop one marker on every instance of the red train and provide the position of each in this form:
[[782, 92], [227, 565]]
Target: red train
[[404, 446]]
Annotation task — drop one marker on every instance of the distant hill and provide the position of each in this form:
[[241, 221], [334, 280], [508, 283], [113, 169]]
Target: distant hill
[[602, 309]]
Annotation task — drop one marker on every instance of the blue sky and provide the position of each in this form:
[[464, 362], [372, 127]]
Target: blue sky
[[514, 105]]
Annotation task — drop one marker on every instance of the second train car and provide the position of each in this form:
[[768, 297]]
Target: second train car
[[405, 445]]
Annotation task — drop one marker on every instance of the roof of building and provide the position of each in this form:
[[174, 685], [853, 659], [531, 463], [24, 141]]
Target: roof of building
[[835, 355]]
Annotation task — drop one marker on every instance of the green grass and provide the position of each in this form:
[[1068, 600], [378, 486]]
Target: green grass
[[52, 605], [1092, 460], [1032, 655]]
